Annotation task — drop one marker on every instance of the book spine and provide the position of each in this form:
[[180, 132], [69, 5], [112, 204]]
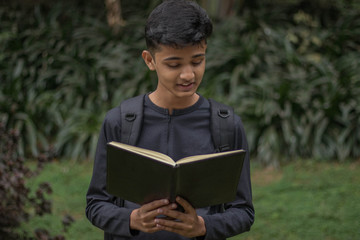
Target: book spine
[[174, 184]]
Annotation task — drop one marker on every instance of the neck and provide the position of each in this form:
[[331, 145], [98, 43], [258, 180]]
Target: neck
[[173, 102]]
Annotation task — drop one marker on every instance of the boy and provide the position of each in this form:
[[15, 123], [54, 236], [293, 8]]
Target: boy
[[176, 121]]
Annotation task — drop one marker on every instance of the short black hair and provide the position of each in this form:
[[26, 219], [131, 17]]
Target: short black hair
[[177, 23]]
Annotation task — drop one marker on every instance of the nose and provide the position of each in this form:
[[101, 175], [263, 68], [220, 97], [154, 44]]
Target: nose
[[187, 73]]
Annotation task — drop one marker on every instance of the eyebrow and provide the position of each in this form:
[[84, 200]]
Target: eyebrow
[[179, 58]]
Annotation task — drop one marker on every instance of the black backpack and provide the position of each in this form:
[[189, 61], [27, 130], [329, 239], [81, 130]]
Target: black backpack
[[222, 123], [222, 129]]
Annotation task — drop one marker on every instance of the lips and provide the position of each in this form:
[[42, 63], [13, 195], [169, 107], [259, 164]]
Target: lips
[[186, 86]]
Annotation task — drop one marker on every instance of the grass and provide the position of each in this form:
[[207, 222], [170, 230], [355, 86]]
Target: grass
[[303, 200], [306, 201], [69, 181]]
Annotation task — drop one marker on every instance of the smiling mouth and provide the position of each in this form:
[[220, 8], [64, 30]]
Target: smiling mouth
[[186, 86]]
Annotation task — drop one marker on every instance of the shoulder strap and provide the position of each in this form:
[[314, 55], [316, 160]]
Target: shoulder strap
[[222, 126], [131, 113], [131, 119], [221, 121]]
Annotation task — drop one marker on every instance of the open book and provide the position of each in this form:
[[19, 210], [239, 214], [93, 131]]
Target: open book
[[141, 176]]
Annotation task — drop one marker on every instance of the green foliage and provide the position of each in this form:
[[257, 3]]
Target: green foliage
[[291, 70], [295, 88], [17, 204], [61, 72]]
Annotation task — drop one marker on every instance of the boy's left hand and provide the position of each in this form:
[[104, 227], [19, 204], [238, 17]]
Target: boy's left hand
[[187, 223]]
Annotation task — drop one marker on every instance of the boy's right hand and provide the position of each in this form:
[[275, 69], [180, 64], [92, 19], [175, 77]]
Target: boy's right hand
[[143, 218]]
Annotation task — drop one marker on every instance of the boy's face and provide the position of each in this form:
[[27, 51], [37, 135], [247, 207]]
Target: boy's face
[[179, 70]]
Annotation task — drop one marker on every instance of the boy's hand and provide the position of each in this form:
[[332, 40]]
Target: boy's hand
[[187, 224], [143, 218]]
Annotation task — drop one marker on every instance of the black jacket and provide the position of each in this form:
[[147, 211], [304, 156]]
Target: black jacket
[[186, 132]]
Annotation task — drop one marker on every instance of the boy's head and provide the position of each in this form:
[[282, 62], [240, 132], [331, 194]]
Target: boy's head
[[177, 23]]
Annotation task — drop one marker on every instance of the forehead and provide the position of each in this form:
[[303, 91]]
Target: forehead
[[165, 52]]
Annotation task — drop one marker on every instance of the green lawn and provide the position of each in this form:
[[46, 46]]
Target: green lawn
[[300, 201], [307, 201], [69, 181]]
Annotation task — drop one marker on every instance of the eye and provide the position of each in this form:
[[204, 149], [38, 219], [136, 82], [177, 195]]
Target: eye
[[196, 63], [173, 65]]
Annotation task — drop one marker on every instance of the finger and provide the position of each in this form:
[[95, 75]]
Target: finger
[[164, 209], [172, 213], [171, 206], [170, 229], [151, 229], [170, 225], [175, 227], [142, 222], [154, 205], [185, 204], [148, 211], [189, 229], [149, 214]]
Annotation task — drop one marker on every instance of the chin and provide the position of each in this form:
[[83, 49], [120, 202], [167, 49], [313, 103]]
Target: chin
[[185, 94]]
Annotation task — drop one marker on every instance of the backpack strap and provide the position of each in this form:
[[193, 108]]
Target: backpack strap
[[131, 111], [131, 119], [222, 126], [223, 133], [221, 121]]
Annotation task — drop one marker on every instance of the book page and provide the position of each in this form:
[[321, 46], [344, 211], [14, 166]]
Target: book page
[[145, 152], [206, 156]]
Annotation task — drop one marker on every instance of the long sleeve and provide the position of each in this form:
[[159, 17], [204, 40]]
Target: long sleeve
[[182, 134], [101, 209], [239, 214]]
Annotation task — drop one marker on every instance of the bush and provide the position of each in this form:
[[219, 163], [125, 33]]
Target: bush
[[295, 88], [61, 71], [289, 69], [16, 200]]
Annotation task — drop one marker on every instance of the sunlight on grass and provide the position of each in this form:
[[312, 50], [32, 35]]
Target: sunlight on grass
[[303, 200]]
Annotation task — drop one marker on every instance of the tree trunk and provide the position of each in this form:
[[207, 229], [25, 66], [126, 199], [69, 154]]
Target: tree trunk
[[221, 9], [226, 8], [114, 15]]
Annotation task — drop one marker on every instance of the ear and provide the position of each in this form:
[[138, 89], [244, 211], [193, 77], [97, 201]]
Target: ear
[[148, 59]]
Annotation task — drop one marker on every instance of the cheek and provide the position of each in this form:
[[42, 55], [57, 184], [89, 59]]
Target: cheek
[[168, 76], [200, 73]]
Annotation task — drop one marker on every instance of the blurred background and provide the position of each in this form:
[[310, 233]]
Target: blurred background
[[290, 68]]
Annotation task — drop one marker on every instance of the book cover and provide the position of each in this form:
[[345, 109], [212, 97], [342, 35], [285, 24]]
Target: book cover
[[141, 176]]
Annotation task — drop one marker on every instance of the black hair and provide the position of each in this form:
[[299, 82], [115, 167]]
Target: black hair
[[177, 23]]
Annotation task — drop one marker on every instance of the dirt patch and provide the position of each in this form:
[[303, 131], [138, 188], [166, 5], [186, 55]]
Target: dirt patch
[[354, 165], [265, 176]]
